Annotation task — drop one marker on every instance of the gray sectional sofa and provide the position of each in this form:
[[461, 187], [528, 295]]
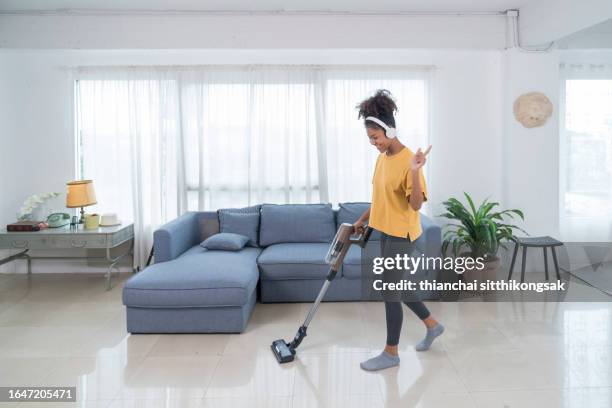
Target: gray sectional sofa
[[191, 289]]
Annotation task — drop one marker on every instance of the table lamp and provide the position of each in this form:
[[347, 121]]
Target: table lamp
[[80, 194]]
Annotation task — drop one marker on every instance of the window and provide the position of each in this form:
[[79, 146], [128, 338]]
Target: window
[[126, 134], [588, 130], [200, 138], [586, 152]]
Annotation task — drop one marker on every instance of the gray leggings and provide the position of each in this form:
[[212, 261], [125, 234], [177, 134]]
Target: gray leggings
[[390, 246]]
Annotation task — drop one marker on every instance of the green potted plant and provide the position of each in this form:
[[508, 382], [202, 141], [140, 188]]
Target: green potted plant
[[478, 232]]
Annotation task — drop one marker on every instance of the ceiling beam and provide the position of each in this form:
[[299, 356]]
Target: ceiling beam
[[252, 32]]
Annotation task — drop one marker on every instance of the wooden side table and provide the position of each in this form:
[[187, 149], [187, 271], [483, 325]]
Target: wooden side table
[[535, 242], [64, 238]]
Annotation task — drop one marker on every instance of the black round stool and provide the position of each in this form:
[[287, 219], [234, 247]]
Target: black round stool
[[535, 242]]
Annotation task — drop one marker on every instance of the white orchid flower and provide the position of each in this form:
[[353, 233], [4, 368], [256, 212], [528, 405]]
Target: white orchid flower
[[33, 201]]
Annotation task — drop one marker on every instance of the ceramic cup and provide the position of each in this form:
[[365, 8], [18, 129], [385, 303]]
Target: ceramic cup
[[92, 221]]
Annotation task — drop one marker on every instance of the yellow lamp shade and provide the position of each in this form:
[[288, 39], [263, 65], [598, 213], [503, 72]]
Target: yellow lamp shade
[[80, 194]]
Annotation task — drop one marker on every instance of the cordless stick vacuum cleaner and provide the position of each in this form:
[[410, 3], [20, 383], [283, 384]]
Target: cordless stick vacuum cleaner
[[285, 352]]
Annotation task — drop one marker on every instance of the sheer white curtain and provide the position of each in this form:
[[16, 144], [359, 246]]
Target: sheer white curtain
[[586, 152], [350, 157], [250, 136], [128, 134], [161, 141], [289, 134]]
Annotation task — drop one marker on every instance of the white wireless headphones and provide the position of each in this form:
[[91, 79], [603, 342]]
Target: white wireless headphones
[[389, 131]]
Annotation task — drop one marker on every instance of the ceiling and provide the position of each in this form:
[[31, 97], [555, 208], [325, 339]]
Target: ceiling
[[438, 6]]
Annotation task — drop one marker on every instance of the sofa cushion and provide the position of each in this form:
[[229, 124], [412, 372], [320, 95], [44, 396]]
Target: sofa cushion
[[225, 241], [198, 278], [296, 223], [350, 212], [243, 221], [294, 261]]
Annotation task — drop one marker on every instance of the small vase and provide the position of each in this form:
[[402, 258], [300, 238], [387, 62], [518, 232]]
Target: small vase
[[39, 213], [24, 217]]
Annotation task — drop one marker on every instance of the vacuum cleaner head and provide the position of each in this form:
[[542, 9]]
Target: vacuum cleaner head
[[282, 351]]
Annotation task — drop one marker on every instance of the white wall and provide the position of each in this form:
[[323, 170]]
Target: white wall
[[37, 143], [38, 130], [467, 127], [531, 156]]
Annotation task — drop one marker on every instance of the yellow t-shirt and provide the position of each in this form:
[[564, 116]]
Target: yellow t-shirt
[[391, 212]]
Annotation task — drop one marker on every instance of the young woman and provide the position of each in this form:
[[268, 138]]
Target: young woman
[[398, 191]]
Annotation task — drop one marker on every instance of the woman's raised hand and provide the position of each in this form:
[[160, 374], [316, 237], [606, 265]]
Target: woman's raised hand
[[419, 159]]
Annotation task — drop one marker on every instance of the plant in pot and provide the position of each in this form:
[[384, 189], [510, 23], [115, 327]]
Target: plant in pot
[[478, 232]]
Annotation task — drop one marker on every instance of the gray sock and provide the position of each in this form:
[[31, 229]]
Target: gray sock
[[380, 362], [431, 335]]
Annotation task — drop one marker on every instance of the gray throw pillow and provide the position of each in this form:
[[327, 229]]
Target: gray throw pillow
[[244, 221], [225, 241]]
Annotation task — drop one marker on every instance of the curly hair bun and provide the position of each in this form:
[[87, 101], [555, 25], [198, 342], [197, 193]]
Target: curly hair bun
[[381, 105]]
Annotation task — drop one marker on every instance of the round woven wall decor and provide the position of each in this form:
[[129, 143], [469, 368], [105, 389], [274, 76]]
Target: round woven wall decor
[[532, 109]]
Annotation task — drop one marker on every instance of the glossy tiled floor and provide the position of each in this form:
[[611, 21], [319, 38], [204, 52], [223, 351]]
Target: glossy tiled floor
[[66, 330]]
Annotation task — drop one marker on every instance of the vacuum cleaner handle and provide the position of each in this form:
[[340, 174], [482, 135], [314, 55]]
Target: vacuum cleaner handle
[[345, 237], [364, 237]]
